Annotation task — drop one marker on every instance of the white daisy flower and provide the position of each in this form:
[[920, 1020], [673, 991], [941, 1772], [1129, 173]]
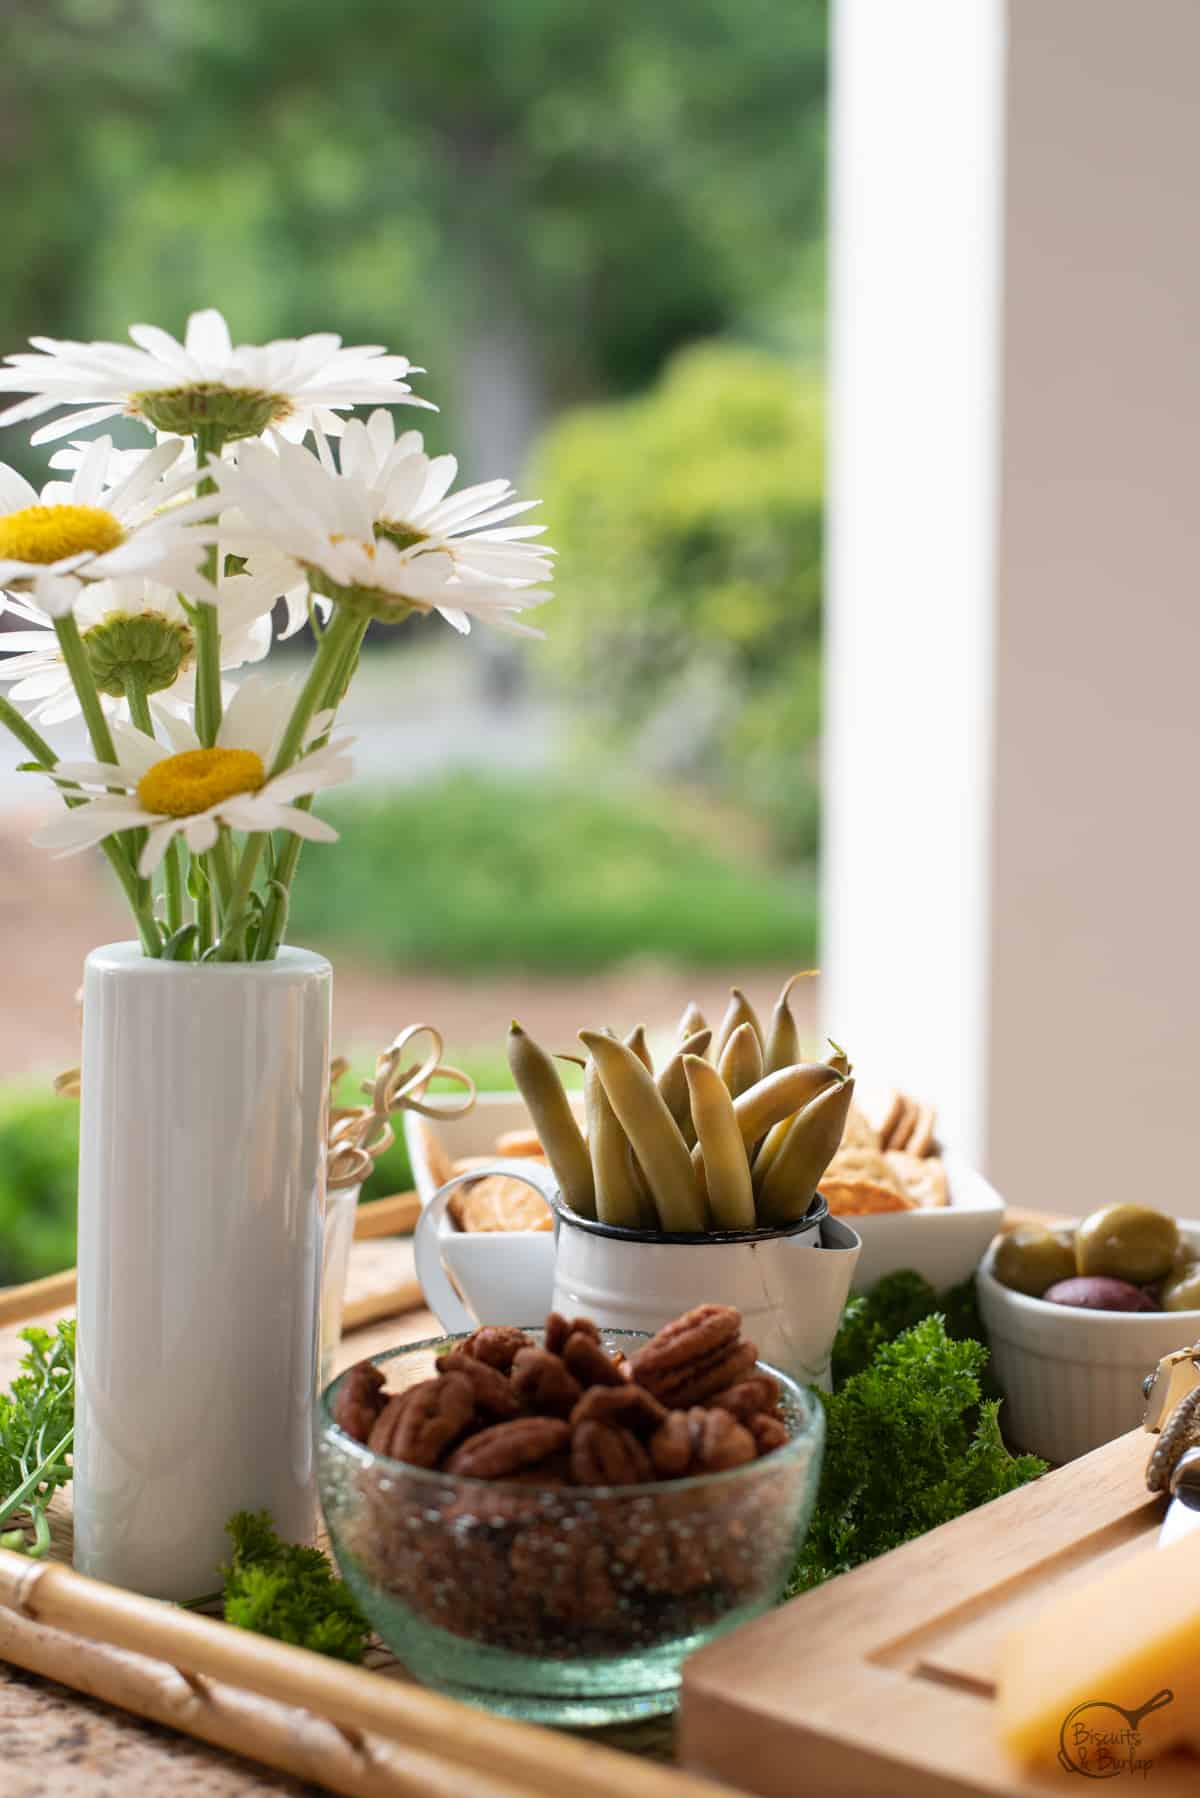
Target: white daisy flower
[[182, 789], [135, 626], [292, 383], [382, 536], [102, 525]]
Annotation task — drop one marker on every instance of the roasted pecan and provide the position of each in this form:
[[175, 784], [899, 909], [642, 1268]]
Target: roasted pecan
[[723, 1442], [749, 1397], [494, 1396], [671, 1446], [427, 1420], [628, 1406], [359, 1400], [603, 1454], [700, 1441], [687, 1339], [584, 1357], [694, 1382], [384, 1428], [509, 1448], [768, 1432], [542, 1383], [497, 1344], [555, 1334], [559, 1329]]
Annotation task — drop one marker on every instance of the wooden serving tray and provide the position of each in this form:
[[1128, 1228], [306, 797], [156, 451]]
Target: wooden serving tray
[[883, 1681]]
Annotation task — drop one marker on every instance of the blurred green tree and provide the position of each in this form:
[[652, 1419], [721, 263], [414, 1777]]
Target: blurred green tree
[[538, 199], [688, 622]]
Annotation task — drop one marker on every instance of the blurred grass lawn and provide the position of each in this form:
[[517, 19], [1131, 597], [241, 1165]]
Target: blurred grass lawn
[[541, 875]]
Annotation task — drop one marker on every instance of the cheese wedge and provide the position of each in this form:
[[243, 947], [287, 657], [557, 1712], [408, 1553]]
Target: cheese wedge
[[1076, 1683]]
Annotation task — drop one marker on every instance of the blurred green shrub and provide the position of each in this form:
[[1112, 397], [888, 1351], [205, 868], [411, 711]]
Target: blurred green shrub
[[689, 526], [39, 1154], [540, 874]]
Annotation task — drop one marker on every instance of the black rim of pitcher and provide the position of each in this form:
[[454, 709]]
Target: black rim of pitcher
[[816, 1214]]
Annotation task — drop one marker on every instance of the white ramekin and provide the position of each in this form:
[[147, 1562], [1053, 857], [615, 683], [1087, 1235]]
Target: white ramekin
[[1072, 1380]]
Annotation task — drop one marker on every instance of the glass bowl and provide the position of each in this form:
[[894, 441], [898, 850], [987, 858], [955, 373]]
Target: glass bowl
[[562, 1604]]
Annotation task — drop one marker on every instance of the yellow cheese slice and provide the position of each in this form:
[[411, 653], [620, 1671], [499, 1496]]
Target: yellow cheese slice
[[1075, 1682]]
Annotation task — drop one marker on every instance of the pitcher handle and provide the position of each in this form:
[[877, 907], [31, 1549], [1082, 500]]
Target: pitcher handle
[[440, 1294]]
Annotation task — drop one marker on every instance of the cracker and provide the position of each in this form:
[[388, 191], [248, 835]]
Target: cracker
[[860, 1132], [897, 1137], [920, 1141], [923, 1178], [522, 1144], [498, 1203], [861, 1181], [852, 1163], [891, 1119], [863, 1198]]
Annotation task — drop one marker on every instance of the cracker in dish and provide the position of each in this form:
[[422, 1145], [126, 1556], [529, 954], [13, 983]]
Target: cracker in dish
[[922, 1176], [497, 1202], [861, 1181], [523, 1144], [860, 1132]]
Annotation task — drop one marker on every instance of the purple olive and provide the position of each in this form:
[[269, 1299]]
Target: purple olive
[[1099, 1292]]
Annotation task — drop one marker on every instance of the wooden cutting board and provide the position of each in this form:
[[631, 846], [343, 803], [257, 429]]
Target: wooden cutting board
[[883, 1681]]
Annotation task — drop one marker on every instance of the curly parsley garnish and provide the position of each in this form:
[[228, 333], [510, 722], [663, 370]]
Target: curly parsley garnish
[[37, 1429], [911, 1442], [292, 1593]]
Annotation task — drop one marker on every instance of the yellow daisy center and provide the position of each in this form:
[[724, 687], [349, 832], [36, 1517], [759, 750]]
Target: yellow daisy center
[[181, 785], [49, 533]]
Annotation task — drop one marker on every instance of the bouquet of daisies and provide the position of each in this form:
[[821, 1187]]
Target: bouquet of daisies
[[142, 577]]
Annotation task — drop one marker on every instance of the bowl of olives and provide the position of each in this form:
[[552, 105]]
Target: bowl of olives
[[1078, 1315]]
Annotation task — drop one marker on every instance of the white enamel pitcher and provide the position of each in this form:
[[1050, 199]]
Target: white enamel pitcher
[[789, 1284]]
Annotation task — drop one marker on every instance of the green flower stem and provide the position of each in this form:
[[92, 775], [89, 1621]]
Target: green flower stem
[[113, 847], [221, 864], [173, 886], [275, 916], [25, 734], [233, 925], [208, 440], [139, 703], [335, 652], [139, 711], [342, 636], [204, 911], [80, 669]]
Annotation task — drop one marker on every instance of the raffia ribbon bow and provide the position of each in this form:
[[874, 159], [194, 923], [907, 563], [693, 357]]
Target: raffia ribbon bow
[[360, 1133]]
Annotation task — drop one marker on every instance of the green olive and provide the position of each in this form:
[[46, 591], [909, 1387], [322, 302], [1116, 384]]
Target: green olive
[[1182, 1291], [1030, 1259], [1127, 1242]]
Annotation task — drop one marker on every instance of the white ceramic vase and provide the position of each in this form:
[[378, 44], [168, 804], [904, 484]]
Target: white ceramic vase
[[201, 1200]]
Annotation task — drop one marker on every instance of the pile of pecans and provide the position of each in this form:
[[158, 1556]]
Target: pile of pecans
[[576, 1534], [570, 1413]]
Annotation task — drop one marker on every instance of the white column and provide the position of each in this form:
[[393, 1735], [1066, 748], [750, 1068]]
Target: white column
[[1013, 735]]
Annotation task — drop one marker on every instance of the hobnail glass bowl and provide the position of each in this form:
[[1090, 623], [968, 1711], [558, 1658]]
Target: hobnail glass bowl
[[571, 1605]]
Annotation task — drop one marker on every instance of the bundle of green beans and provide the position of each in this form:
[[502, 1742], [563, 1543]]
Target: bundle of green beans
[[733, 1133]]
